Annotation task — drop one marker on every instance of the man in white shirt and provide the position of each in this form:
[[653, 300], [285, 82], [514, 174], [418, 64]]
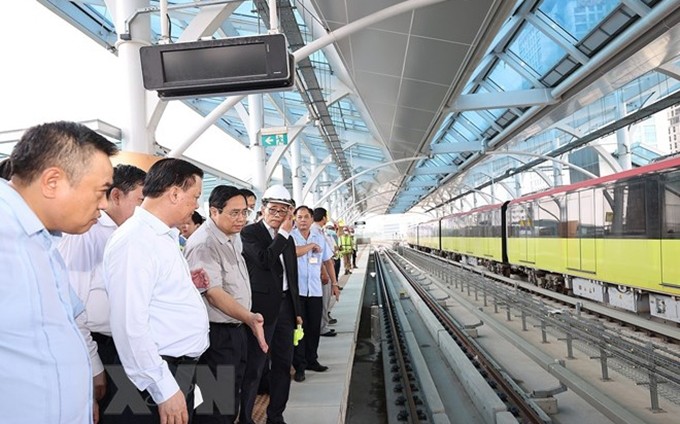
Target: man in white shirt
[[158, 320], [313, 254], [61, 174], [83, 255]]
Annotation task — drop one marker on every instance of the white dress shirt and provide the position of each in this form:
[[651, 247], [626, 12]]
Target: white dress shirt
[[83, 254], [155, 307], [45, 374], [285, 235]]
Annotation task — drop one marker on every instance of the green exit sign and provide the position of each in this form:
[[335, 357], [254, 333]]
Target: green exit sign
[[270, 140]]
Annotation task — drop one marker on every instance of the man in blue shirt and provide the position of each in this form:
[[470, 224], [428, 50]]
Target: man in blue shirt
[[61, 172], [313, 252]]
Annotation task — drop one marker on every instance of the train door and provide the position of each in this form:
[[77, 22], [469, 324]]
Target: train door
[[670, 232], [581, 231], [527, 245], [587, 232], [573, 241]]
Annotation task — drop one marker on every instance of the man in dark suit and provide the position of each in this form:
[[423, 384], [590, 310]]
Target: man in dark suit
[[269, 252]]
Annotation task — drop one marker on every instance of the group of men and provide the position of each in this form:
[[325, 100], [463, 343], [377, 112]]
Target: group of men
[[113, 322]]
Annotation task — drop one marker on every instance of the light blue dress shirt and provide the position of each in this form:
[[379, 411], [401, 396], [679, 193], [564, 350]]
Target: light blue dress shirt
[[45, 374], [309, 264]]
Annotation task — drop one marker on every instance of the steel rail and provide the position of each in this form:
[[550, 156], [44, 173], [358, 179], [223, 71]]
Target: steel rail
[[525, 410]]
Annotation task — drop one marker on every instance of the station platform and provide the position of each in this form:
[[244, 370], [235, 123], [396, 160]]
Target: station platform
[[323, 397]]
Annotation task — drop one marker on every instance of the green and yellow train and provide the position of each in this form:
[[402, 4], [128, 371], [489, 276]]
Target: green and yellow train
[[613, 239]]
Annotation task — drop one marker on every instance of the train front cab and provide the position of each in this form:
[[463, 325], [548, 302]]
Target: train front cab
[[615, 240]]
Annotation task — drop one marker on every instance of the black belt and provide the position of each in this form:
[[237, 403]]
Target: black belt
[[179, 360], [101, 338], [227, 324]]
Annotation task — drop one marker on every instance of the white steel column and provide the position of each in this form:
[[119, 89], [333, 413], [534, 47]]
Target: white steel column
[[135, 135], [315, 188], [622, 135], [296, 165], [256, 114]]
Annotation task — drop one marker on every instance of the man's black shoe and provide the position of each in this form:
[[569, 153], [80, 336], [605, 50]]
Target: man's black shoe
[[317, 367], [299, 376], [332, 321], [330, 333]]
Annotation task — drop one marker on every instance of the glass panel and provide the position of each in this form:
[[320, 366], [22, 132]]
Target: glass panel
[[671, 210], [577, 17], [586, 228], [535, 49], [479, 122], [548, 221], [572, 215], [507, 79], [627, 218], [464, 132]]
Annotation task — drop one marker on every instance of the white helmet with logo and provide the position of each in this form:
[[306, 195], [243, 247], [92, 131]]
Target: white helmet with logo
[[277, 194]]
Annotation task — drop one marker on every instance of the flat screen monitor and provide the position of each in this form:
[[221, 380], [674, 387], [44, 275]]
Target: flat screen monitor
[[218, 67]]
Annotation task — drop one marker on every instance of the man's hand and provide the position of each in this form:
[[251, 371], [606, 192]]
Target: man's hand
[[287, 224], [95, 411], [298, 320], [99, 385], [200, 278], [315, 248], [335, 291], [174, 410], [256, 325]]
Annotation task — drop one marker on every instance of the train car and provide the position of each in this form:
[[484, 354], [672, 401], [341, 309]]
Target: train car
[[475, 236], [429, 236], [412, 235], [614, 239]]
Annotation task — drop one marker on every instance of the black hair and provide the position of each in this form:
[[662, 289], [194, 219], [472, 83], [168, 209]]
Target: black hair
[[319, 214], [170, 172], [6, 169], [66, 145], [197, 218], [247, 193], [310, 210], [221, 195], [126, 178]]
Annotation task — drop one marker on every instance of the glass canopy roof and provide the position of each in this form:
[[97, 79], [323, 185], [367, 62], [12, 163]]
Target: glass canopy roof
[[539, 47], [534, 54]]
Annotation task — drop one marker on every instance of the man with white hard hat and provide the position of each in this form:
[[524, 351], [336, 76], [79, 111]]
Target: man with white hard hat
[[270, 255]]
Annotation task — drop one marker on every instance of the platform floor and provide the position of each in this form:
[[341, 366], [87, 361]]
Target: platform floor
[[322, 397]]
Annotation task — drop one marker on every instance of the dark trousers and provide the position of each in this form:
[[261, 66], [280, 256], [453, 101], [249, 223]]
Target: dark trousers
[[279, 337], [123, 403], [109, 357], [336, 264], [306, 350], [354, 258], [228, 348]]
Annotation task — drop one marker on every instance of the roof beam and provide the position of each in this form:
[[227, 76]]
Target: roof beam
[[503, 100], [457, 147], [435, 170]]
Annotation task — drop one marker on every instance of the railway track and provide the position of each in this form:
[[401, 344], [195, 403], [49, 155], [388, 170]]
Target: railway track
[[641, 358]]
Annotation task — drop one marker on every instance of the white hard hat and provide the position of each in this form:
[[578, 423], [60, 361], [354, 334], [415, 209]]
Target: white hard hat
[[277, 194]]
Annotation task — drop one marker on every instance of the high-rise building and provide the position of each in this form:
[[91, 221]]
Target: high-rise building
[[673, 128]]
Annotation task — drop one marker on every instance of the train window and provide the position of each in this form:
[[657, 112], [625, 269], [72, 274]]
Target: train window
[[586, 226], [571, 227], [548, 219], [521, 220], [671, 209], [627, 218]]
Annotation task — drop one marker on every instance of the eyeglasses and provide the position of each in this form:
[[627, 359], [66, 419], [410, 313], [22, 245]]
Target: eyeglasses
[[274, 211], [235, 213]]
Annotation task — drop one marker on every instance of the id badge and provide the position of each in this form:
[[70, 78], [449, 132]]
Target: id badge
[[313, 260]]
